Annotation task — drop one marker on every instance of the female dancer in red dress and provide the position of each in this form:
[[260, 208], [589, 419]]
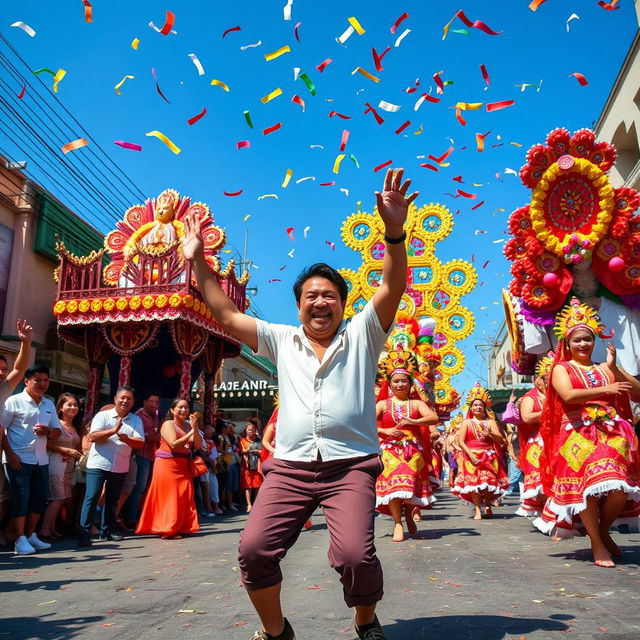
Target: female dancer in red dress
[[590, 460], [481, 475], [533, 498], [404, 481], [169, 508]]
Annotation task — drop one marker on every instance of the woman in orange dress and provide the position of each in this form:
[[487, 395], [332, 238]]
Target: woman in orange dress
[[481, 477], [590, 465], [250, 447], [169, 508]]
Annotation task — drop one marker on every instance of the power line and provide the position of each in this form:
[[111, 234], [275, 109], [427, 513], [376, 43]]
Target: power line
[[63, 189], [85, 179], [124, 177], [26, 126], [43, 144]]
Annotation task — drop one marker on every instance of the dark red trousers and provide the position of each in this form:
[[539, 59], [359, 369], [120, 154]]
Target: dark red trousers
[[289, 495]]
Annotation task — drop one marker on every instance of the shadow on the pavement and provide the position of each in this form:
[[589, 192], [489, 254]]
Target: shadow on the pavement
[[45, 585], [37, 627], [630, 555], [434, 534], [10, 561], [473, 627]]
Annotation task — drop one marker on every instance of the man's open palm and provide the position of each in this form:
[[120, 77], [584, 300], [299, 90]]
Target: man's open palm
[[393, 203], [192, 240]]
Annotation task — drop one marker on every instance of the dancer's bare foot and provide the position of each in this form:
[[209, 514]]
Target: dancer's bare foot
[[601, 556], [488, 511], [612, 547], [417, 516], [477, 514], [412, 527], [556, 539], [398, 532]]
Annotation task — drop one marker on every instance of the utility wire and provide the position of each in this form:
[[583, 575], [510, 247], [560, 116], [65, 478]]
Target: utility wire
[[109, 161], [50, 154]]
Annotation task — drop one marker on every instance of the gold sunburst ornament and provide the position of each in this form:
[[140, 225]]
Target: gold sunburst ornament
[[579, 316], [399, 361], [543, 367]]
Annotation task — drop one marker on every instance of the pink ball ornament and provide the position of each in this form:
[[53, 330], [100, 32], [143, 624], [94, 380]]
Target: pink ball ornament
[[617, 264], [550, 280]]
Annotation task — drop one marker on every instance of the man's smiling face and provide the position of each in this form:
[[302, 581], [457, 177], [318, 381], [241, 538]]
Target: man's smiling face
[[321, 310]]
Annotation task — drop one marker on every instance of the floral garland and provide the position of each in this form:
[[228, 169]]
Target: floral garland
[[581, 244], [134, 303]]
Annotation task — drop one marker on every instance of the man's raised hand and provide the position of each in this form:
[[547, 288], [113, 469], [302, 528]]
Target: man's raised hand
[[192, 239], [24, 330], [393, 203]]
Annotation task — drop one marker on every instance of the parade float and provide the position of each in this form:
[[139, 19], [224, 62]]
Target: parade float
[[135, 307], [579, 236], [430, 318]]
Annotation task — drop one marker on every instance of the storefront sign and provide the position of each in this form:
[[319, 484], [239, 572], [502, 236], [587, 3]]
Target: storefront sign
[[245, 385]]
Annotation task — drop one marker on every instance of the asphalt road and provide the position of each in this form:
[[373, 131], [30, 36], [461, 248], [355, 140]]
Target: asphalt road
[[456, 578]]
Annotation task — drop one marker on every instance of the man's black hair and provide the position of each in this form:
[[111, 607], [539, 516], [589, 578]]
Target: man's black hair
[[125, 387], [148, 394], [35, 370], [322, 270]]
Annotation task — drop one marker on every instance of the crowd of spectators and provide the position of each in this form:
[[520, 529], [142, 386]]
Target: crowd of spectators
[[118, 473]]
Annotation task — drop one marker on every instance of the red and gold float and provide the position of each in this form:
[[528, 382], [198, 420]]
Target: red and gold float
[[135, 305], [578, 236]]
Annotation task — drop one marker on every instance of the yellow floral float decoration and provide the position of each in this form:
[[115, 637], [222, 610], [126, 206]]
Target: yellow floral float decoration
[[434, 288]]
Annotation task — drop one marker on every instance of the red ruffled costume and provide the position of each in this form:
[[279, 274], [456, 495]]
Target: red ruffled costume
[[588, 450], [533, 498], [489, 477], [406, 464]]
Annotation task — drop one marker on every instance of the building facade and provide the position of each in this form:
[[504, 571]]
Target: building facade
[[31, 220], [246, 387]]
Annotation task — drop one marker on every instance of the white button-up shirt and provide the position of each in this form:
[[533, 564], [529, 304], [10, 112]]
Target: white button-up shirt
[[20, 415], [112, 454], [327, 406]]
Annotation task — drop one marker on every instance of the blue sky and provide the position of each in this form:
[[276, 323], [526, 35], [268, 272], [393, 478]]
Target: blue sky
[[533, 47]]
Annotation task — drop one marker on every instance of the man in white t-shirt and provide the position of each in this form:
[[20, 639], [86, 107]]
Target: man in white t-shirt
[[113, 434], [30, 419], [327, 450], [9, 380]]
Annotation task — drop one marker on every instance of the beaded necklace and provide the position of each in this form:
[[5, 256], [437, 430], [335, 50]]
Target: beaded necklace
[[479, 428], [400, 409]]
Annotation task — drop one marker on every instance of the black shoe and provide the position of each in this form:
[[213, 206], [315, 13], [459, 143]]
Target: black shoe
[[84, 540], [287, 634], [111, 537], [371, 631]]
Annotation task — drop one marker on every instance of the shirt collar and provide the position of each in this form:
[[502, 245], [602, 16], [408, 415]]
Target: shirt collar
[[30, 399], [301, 336]]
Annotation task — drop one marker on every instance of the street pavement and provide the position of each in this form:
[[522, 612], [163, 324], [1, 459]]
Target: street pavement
[[457, 578]]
